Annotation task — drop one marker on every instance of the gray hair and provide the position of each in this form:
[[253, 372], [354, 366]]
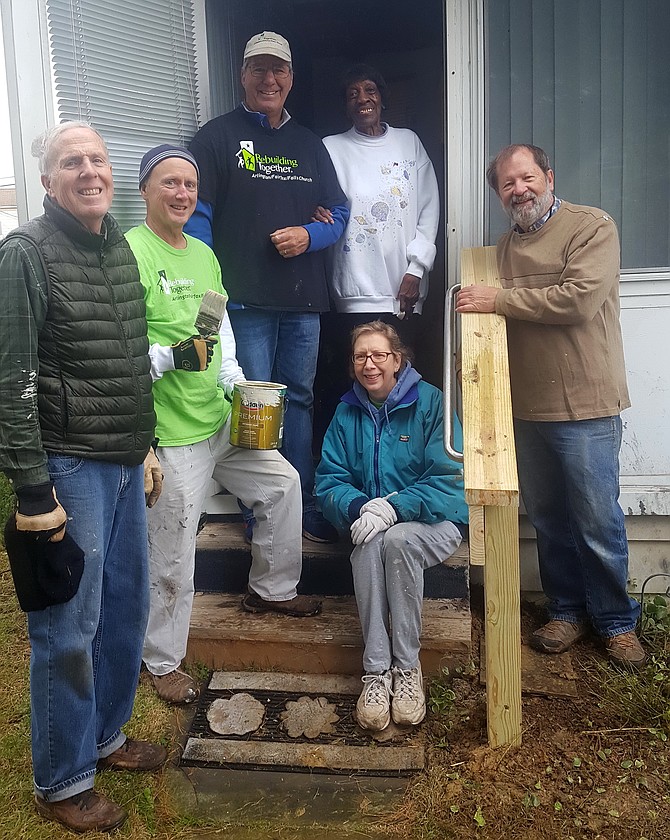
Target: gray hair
[[390, 334], [539, 156], [43, 146]]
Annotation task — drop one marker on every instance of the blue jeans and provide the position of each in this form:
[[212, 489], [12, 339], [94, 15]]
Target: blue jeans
[[569, 478], [86, 654], [283, 347]]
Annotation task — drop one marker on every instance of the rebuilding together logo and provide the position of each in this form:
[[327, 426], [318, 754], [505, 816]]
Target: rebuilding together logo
[[265, 164]]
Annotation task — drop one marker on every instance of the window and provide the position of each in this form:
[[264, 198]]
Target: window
[[128, 68], [588, 81]]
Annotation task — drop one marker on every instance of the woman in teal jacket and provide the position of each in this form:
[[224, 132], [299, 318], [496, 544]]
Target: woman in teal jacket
[[384, 476]]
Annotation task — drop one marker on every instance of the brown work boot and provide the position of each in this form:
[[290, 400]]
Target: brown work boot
[[134, 755], [176, 687], [301, 606], [86, 811], [625, 649], [558, 636]]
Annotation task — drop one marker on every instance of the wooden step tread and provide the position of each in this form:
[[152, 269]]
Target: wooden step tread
[[224, 636]]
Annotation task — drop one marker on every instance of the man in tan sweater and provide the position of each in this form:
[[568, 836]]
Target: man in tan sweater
[[559, 267]]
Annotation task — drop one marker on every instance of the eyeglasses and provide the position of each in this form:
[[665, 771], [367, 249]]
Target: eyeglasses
[[279, 71], [378, 357]]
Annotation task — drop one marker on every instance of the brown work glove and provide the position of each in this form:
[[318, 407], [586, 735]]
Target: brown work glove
[[153, 478], [40, 512], [194, 353]]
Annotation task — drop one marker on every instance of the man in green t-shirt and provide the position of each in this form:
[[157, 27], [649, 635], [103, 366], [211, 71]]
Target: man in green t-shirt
[[193, 381]]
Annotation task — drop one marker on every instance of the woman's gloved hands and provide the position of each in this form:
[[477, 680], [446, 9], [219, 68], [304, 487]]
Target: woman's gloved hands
[[376, 516]]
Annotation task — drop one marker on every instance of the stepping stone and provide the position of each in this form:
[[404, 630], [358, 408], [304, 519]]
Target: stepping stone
[[237, 716]]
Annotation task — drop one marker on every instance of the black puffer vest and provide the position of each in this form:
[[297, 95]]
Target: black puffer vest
[[94, 386]]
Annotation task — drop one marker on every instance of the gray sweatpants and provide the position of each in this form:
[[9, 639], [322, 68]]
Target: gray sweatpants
[[388, 583]]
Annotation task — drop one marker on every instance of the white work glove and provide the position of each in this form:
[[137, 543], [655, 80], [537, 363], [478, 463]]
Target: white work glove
[[367, 526], [380, 507]]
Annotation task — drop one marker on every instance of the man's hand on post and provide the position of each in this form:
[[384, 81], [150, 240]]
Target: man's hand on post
[[193, 353], [153, 478], [40, 512], [408, 294], [477, 299], [290, 241]]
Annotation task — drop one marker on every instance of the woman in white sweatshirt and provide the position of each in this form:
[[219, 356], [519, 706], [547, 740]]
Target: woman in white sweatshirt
[[383, 259], [381, 262]]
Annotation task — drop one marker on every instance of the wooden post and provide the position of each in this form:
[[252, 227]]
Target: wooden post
[[503, 625], [491, 484]]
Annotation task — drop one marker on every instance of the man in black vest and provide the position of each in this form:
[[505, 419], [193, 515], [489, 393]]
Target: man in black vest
[[76, 424]]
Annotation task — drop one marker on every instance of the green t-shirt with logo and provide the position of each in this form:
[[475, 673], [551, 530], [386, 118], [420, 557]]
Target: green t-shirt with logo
[[190, 407]]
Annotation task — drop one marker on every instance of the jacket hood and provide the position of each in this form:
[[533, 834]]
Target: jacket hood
[[404, 391]]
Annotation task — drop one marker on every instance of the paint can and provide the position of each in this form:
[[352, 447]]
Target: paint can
[[257, 419]]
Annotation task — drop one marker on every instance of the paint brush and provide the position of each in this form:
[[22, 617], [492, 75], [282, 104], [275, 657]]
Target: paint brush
[[210, 314]]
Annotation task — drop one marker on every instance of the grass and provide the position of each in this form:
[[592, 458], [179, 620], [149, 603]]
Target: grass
[[145, 796], [541, 792], [642, 698]]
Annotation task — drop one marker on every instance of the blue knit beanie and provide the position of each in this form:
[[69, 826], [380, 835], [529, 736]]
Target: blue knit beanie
[[159, 153]]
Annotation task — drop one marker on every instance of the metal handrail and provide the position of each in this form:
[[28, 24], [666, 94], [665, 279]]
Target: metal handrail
[[448, 391]]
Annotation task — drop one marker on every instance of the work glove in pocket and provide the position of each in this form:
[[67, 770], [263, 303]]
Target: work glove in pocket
[[45, 573]]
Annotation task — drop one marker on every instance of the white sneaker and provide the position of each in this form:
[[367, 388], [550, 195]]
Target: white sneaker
[[372, 708], [409, 700]]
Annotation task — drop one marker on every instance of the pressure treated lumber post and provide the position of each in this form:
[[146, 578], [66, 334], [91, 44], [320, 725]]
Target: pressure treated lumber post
[[491, 484]]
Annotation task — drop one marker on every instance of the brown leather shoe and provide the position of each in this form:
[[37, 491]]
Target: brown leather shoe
[[86, 811], [301, 606], [175, 687], [558, 636], [625, 649], [134, 755]]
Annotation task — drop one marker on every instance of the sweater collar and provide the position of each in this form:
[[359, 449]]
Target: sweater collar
[[373, 137], [404, 392], [367, 139]]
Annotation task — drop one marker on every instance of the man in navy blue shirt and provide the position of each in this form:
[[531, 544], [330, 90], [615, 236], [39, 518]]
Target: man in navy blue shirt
[[262, 178]]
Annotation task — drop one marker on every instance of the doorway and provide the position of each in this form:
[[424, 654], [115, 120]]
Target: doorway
[[326, 37]]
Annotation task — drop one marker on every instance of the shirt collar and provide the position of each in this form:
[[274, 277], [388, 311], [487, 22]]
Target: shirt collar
[[264, 121], [538, 224], [384, 130]]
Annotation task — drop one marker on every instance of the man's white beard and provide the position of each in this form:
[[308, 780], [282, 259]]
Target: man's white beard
[[528, 215]]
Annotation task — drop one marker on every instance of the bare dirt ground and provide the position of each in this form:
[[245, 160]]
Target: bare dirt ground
[[588, 768]]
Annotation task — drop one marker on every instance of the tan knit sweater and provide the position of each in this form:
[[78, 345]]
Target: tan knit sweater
[[561, 298]]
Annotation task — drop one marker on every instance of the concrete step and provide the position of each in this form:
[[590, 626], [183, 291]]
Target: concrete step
[[225, 637], [223, 560]]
